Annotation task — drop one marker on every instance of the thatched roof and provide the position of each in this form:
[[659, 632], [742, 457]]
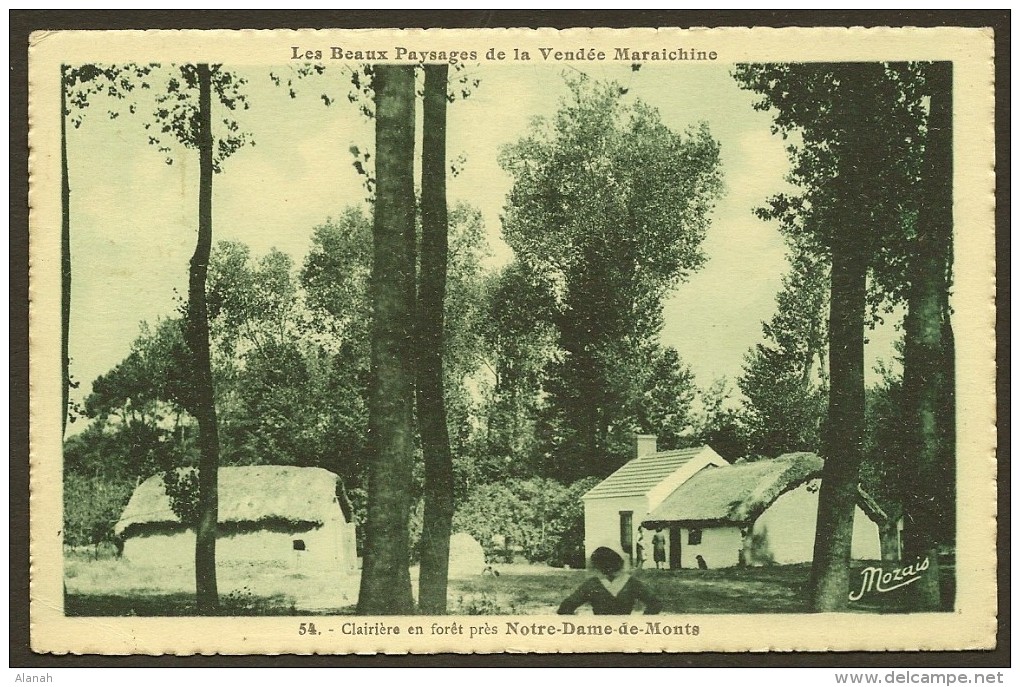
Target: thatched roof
[[870, 506], [734, 494], [643, 474], [302, 498]]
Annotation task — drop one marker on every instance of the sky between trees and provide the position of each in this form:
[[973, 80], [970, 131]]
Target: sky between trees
[[133, 218]]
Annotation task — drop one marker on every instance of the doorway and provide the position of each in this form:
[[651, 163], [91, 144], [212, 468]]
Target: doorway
[[674, 547]]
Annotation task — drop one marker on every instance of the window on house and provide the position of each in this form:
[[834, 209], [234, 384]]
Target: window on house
[[627, 531], [694, 536], [299, 544]]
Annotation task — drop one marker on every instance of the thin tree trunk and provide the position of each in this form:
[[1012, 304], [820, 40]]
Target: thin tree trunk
[[198, 330], [65, 255], [889, 540], [927, 379], [844, 437], [948, 408], [438, 521], [385, 579]]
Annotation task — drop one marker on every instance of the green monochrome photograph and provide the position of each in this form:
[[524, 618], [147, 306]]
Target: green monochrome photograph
[[464, 340]]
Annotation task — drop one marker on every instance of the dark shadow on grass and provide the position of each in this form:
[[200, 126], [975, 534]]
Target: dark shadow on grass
[[775, 589], [172, 605]]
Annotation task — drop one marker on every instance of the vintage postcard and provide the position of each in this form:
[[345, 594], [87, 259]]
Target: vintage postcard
[[512, 340]]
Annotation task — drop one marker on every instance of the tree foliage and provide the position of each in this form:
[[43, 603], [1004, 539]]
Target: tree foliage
[[252, 304], [114, 85], [666, 406], [176, 119], [609, 208], [785, 378], [538, 518], [335, 276], [519, 341], [856, 134], [290, 363], [886, 444]]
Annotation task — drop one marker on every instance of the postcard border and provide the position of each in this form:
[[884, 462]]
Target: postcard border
[[19, 332]]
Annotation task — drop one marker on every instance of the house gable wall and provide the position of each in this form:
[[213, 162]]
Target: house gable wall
[[602, 522]]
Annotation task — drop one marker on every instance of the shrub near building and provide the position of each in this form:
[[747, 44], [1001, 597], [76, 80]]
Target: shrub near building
[[536, 518]]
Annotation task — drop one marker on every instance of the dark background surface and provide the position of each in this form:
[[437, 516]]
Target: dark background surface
[[23, 22]]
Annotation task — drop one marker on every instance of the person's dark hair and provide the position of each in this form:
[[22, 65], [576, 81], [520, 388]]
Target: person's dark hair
[[606, 561]]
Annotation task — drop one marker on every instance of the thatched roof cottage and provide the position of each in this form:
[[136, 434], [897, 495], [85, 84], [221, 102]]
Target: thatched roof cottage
[[613, 508], [297, 517], [755, 513]]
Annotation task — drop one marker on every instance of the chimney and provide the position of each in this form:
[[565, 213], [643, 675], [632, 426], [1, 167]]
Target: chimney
[[644, 445]]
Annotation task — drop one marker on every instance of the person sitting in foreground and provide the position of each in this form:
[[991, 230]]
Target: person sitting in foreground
[[611, 591]]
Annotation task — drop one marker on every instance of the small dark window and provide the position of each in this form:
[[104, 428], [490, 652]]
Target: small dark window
[[693, 537], [627, 531], [299, 544]]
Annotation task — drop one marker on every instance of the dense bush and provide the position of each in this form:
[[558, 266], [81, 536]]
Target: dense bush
[[567, 526], [92, 506], [508, 516], [539, 519]]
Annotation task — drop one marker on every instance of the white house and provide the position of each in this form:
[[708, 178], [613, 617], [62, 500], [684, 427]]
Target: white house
[[757, 513], [614, 508], [296, 517]]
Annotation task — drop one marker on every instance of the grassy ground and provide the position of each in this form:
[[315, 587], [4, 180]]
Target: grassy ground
[[112, 587]]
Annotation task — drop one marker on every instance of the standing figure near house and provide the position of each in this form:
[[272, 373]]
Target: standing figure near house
[[702, 564], [640, 549], [611, 591], [659, 548]]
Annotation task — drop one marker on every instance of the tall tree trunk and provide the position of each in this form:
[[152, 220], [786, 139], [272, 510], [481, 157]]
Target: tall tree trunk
[[65, 255], [435, 437], [927, 378], [845, 434], [385, 579], [198, 331]]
